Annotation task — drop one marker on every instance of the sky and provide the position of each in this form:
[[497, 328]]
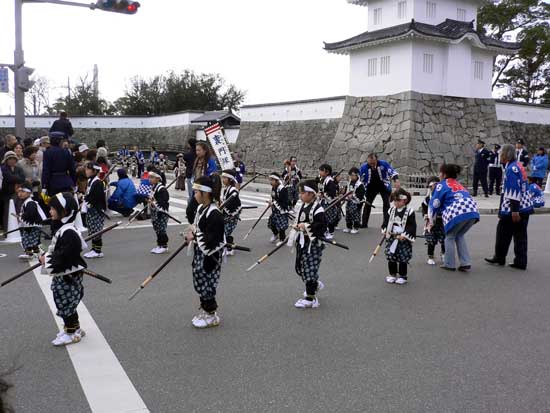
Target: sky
[[271, 49]]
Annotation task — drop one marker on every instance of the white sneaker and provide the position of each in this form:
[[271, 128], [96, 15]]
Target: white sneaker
[[26, 256], [159, 250], [320, 286], [279, 243], [401, 281], [65, 339], [303, 303], [354, 231], [230, 252], [205, 320], [329, 236], [346, 230], [431, 261], [390, 279], [273, 238], [93, 254]]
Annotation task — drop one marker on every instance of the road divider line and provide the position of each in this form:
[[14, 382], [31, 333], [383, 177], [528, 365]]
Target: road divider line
[[106, 385]]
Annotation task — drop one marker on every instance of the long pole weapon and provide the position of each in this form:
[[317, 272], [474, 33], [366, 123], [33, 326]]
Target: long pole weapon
[[257, 221], [88, 238], [377, 249], [158, 270], [96, 276]]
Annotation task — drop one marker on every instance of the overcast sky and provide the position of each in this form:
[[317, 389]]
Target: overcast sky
[[271, 49]]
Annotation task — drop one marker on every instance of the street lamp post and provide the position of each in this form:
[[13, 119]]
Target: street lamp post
[[19, 61]]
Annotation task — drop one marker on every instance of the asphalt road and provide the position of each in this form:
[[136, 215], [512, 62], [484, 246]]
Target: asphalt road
[[446, 342]]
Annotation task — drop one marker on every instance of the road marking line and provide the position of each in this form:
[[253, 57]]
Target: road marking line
[[106, 385]]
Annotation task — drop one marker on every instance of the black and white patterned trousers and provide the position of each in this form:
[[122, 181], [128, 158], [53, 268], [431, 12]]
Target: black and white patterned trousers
[[160, 222], [95, 220], [30, 239], [205, 282], [67, 290], [308, 261], [278, 221], [403, 252], [353, 214]]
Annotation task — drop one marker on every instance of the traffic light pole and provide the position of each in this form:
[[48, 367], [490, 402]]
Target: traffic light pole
[[19, 61]]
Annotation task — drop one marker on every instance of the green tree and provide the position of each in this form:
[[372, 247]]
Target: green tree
[[82, 101], [528, 78], [508, 18], [176, 92]]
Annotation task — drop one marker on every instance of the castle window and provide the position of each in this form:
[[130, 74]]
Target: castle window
[[384, 65], [478, 70], [428, 66], [402, 10], [431, 9], [377, 16], [461, 15], [371, 66]]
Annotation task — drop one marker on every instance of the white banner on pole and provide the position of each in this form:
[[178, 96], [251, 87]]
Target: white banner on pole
[[215, 136], [4, 80]]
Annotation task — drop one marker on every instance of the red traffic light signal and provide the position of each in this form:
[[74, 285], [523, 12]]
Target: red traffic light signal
[[118, 6]]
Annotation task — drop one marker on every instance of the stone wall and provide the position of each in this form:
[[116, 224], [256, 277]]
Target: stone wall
[[270, 143], [415, 132], [164, 138], [534, 135]]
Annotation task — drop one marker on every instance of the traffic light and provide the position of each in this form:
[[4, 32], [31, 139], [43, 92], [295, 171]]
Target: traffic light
[[23, 81], [118, 6]]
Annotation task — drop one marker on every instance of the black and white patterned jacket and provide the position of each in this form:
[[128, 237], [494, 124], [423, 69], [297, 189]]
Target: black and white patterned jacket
[[233, 207], [31, 214], [63, 256], [400, 222], [280, 199], [328, 188], [161, 197], [209, 229], [95, 194], [358, 190]]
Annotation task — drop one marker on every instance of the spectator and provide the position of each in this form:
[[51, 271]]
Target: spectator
[[204, 165], [539, 165], [495, 171], [43, 144], [63, 125], [522, 155], [9, 145], [153, 156], [83, 149], [58, 168], [18, 149], [31, 168], [12, 175], [377, 176], [123, 199], [102, 149], [481, 165], [81, 179], [189, 159], [27, 142], [459, 211], [179, 171]]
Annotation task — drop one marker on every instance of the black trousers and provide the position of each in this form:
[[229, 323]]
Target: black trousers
[[394, 268], [372, 192], [480, 175], [495, 180], [508, 230]]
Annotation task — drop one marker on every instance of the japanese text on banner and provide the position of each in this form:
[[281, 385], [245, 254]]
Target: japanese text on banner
[[215, 136]]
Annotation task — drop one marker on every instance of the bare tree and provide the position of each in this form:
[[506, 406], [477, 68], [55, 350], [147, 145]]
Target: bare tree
[[37, 98]]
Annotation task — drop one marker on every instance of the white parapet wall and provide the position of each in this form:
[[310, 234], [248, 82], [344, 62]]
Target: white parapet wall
[[326, 108], [523, 113], [104, 122]]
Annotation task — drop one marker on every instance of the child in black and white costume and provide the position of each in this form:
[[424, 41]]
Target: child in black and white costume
[[400, 230], [280, 208], [159, 202], [30, 222], [95, 206], [436, 234], [310, 226], [64, 263], [354, 202], [328, 191], [207, 235], [292, 176], [231, 205]]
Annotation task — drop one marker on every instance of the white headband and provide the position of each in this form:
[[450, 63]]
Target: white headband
[[26, 190], [403, 197], [61, 199], [97, 168], [228, 176], [202, 188], [309, 189], [275, 177], [154, 175]]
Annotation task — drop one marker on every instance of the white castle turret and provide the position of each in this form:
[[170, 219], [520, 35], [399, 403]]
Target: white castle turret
[[426, 46]]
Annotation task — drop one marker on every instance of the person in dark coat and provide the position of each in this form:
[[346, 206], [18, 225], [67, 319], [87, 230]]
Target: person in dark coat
[[481, 166], [522, 156], [495, 171], [189, 159], [12, 176], [58, 169], [63, 125]]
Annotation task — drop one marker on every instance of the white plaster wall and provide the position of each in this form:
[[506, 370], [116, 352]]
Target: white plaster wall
[[289, 111], [390, 15], [399, 79], [101, 122], [428, 82], [481, 88], [458, 76], [444, 10], [523, 113]]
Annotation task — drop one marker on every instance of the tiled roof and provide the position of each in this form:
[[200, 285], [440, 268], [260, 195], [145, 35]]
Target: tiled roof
[[215, 116], [449, 29]]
